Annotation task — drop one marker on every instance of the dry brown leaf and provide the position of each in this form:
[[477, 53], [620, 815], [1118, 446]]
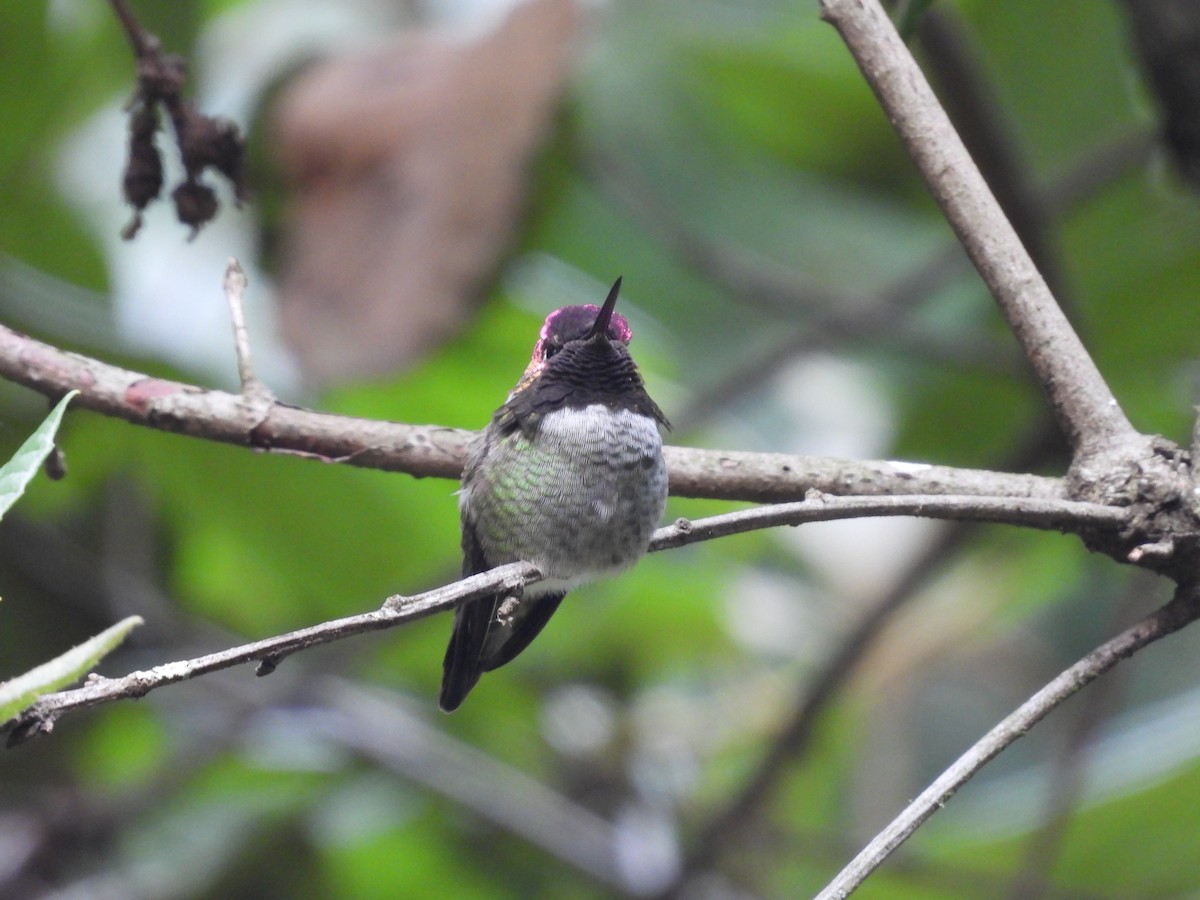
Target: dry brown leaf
[[409, 167]]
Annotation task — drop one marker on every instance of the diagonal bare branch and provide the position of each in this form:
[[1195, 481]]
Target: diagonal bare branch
[[1082, 401], [1183, 609], [44, 713]]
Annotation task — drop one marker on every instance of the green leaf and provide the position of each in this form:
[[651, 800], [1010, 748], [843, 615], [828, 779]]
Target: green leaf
[[21, 692], [16, 474]]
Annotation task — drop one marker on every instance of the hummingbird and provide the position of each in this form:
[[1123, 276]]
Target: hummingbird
[[568, 475]]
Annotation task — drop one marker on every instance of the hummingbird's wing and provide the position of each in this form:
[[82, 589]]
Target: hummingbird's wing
[[479, 642], [463, 663], [470, 653], [462, 666]]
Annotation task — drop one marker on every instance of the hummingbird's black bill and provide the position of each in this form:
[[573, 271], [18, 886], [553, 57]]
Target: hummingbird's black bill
[[606, 311]]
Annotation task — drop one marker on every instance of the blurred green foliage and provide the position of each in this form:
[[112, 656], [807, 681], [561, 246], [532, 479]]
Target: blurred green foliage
[[741, 127]]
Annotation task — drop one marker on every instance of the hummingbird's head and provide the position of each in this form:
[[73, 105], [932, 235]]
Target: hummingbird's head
[[581, 359], [572, 324]]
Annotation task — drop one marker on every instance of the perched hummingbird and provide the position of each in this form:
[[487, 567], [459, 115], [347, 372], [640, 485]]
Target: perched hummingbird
[[568, 475]]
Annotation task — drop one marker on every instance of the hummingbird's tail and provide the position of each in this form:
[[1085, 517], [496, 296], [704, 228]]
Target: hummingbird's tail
[[457, 681], [479, 643], [461, 667]]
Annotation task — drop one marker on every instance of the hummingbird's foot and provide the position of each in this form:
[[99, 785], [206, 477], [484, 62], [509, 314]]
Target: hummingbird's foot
[[506, 612]]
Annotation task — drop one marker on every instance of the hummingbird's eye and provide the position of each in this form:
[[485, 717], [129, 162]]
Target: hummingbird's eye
[[549, 350]]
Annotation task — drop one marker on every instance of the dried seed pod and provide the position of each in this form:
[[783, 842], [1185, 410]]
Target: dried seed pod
[[143, 177], [206, 141], [195, 204]]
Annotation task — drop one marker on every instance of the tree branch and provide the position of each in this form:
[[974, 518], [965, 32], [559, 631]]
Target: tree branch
[[1086, 408], [1056, 515], [1183, 609], [437, 451], [139, 39], [1050, 514], [42, 715], [1065, 783]]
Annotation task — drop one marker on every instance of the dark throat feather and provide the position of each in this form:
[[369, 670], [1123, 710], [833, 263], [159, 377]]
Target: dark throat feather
[[581, 374]]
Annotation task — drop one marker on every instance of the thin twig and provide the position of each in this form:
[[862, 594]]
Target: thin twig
[[1183, 609], [41, 716], [1085, 406], [235, 288], [439, 451], [1057, 515], [1064, 787], [139, 38]]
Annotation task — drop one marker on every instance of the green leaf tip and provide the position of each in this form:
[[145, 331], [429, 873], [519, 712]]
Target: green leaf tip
[[16, 474], [21, 692]]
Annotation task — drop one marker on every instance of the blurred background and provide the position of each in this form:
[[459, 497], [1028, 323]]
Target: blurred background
[[735, 719]]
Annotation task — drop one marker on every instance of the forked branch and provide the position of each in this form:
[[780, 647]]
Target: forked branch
[[1108, 450]]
